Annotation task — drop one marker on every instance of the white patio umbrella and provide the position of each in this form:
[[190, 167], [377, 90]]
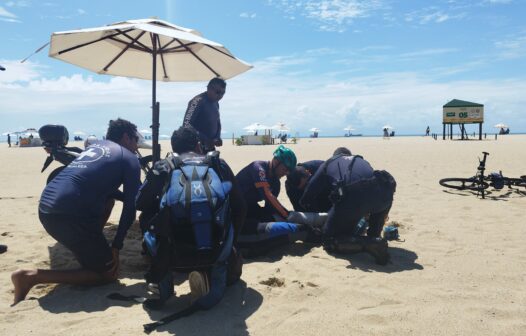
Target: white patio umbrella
[[256, 127], [501, 125], [79, 133], [147, 49], [387, 126], [348, 128], [145, 131], [281, 127], [314, 129]]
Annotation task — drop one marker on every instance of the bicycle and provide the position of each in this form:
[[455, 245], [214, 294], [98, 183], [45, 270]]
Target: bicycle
[[481, 182]]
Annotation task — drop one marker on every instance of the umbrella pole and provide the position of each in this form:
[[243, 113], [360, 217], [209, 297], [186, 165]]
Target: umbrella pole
[[155, 105]]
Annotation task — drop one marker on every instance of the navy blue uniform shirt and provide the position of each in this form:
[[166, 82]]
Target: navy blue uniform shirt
[[84, 186]]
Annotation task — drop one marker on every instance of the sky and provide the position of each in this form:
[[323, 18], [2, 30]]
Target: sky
[[326, 64]]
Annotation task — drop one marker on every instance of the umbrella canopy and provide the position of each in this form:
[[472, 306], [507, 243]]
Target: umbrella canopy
[[314, 129], [348, 128], [147, 49], [256, 127], [388, 127], [281, 127], [501, 125], [145, 131], [79, 133]]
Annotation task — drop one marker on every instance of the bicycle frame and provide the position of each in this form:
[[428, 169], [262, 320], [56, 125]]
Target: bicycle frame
[[480, 172]]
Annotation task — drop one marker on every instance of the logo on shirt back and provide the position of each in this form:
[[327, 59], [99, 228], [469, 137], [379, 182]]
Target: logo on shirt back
[[92, 154]]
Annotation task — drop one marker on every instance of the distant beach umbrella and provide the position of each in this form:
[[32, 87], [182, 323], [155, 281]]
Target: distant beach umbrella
[[281, 127], [314, 129], [147, 49], [256, 127], [79, 133], [501, 125], [388, 127], [145, 131], [348, 128]]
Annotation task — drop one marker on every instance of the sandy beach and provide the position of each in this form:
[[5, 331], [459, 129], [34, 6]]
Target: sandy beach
[[459, 268]]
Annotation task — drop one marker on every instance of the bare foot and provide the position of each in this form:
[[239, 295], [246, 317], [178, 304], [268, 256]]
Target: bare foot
[[22, 281]]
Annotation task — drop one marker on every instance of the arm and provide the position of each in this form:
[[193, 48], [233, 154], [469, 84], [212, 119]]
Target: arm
[[316, 185], [131, 183]]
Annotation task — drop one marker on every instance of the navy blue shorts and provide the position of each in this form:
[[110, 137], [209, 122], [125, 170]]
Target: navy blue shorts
[[83, 237]]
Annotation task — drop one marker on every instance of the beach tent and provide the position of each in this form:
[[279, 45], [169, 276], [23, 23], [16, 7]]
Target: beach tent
[[148, 49]]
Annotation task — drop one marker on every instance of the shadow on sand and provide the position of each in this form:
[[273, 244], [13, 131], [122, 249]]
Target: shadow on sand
[[401, 260], [227, 318]]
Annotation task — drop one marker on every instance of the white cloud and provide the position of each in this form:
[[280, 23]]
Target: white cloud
[[267, 94], [512, 48], [81, 11], [17, 4], [331, 15], [248, 15], [6, 14], [431, 15]]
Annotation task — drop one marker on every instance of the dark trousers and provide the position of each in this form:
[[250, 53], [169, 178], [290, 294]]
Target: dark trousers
[[343, 217]]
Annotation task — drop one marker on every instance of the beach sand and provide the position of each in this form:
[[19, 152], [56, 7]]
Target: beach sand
[[459, 269]]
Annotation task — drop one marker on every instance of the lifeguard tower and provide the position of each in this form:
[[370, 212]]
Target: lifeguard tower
[[461, 112]]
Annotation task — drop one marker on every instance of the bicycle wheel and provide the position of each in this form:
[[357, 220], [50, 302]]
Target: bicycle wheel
[[463, 183], [516, 182]]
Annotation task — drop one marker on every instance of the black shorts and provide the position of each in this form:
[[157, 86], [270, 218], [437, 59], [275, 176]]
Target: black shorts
[[83, 237]]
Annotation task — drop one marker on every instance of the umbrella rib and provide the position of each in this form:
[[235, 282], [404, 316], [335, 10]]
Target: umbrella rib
[[198, 58], [139, 43], [224, 53], [176, 49], [91, 42], [128, 45], [162, 57]]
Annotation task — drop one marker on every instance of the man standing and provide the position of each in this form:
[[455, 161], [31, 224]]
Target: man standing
[[202, 114], [356, 190], [9, 139], [76, 204]]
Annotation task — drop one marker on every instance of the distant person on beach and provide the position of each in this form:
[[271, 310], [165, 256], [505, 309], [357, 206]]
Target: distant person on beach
[[356, 191], [428, 130], [76, 204], [386, 133], [9, 139], [202, 114], [181, 236]]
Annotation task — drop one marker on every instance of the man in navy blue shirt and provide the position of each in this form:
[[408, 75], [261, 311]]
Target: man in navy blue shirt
[[76, 204], [259, 181], [202, 114], [298, 179], [356, 190]]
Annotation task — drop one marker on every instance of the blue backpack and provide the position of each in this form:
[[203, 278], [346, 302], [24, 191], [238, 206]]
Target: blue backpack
[[196, 211]]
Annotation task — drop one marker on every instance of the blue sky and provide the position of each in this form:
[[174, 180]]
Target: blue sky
[[325, 64]]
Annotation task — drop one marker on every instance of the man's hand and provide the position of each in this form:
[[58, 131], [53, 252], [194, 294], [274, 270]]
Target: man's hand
[[218, 142]]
